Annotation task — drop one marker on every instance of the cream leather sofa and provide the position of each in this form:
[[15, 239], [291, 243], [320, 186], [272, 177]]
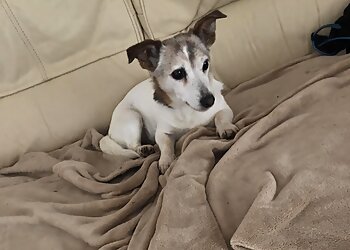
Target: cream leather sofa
[[63, 66], [282, 183]]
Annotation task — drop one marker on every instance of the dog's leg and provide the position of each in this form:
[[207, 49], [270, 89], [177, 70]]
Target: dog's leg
[[126, 129], [109, 146], [223, 123], [166, 145]]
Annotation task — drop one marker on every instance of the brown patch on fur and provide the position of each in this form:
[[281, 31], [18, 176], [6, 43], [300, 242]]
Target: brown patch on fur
[[147, 53], [160, 95], [206, 26], [172, 53], [191, 48]]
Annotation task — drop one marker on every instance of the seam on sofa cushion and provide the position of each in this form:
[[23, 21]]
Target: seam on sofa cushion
[[143, 7], [24, 38], [134, 20], [58, 76], [148, 28], [138, 30]]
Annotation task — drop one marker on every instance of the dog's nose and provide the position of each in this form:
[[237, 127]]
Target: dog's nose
[[207, 101]]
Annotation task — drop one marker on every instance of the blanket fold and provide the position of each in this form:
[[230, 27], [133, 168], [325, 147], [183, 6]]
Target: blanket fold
[[282, 183], [300, 136], [99, 201]]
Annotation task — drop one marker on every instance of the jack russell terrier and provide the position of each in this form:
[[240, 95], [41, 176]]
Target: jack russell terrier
[[180, 94]]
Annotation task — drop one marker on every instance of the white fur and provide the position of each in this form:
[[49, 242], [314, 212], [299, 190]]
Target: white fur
[[138, 109], [185, 51], [185, 91]]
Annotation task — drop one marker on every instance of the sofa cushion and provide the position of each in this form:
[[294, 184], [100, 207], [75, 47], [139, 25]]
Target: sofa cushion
[[50, 115], [42, 39], [161, 18], [259, 36], [18, 68], [63, 69]]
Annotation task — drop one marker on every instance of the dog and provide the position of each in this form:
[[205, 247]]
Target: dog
[[180, 94]]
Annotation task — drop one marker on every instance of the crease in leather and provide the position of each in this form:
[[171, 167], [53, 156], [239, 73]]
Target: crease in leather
[[134, 20], [143, 7], [11, 16], [22, 89], [11, 90]]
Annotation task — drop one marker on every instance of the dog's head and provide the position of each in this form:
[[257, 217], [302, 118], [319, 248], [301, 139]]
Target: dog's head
[[180, 66]]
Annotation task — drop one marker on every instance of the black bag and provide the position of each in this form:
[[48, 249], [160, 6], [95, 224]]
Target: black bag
[[338, 39]]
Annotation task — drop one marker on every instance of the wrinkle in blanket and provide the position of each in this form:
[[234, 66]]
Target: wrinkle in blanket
[[99, 201], [282, 183]]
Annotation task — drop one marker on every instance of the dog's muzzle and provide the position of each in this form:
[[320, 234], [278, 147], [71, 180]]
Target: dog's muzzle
[[207, 101]]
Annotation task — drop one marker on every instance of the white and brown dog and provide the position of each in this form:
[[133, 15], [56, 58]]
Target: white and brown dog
[[180, 95]]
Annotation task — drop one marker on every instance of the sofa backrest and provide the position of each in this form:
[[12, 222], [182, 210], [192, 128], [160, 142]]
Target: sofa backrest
[[257, 35], [63, 66]]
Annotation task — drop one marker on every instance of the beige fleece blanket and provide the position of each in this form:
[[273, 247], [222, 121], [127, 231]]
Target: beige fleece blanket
[[282, 183]]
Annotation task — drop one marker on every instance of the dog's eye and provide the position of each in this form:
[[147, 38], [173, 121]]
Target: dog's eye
[[205, 65], [179, 74]]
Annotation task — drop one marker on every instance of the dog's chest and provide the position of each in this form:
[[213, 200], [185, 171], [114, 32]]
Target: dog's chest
[[187, 121], [182, 121], [174, 122]]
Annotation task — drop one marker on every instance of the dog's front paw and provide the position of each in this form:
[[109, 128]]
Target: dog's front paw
[[227, 131], [145, 150], [164, 162]]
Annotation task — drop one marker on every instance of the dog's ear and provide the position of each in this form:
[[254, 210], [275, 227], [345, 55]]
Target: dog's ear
[[206, 26], [146, 52]]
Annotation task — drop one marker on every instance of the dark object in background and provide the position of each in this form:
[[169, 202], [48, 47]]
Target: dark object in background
[[338, 39]]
